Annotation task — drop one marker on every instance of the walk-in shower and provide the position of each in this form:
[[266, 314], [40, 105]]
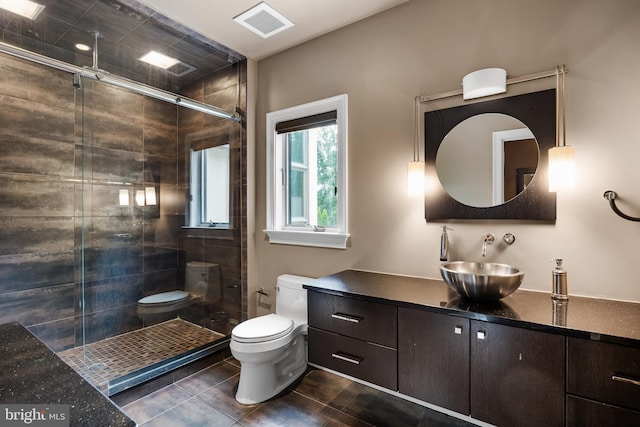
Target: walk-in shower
[[97, 173]]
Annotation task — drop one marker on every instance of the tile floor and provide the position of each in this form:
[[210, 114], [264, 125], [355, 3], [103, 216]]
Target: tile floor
[[103, 361], [320, 398]]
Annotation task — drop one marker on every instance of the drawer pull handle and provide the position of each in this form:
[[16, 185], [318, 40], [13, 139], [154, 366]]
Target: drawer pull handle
[[458, 330], [625, 380], [347, 317], [347, 358], [481, 335]]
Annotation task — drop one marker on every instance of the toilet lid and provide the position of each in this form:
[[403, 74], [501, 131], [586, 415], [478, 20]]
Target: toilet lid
[[263, 328], [170, 297]]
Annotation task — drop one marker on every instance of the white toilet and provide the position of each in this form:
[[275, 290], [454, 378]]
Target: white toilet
[[272, 349], [202, 283]]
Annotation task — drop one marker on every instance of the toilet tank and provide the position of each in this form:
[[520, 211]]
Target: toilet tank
[[202, 280], [291, 298]]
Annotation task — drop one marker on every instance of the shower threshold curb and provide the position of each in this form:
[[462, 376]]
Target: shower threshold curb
[[150, 372]]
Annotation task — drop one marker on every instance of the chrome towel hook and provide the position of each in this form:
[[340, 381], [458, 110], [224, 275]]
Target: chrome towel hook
[[611, 197]]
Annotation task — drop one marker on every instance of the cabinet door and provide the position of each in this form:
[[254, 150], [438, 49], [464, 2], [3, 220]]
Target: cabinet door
[[517, 376], [433, 358]]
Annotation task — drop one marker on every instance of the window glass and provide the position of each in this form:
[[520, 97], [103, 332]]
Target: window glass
[[327, 192], [210, 187], [311, 169], [215, 177]]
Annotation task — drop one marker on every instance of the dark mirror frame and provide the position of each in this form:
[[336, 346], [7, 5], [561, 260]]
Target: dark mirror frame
[[537, 110]]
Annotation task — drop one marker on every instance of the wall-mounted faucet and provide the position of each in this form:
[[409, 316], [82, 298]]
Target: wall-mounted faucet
[[487, 240], [444, 244]]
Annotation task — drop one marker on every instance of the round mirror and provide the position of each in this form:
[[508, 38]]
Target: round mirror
[[487, 160]]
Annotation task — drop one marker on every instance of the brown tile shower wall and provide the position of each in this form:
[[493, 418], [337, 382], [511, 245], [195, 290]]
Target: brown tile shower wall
[[49, 178], [226, 89], [37, 111]]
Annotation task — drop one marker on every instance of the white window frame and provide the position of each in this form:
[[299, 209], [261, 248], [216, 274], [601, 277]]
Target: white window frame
[[276, 230]]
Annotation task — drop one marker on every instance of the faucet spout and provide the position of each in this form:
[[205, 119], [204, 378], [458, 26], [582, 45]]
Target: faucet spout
[[487, 240], [444, 244]]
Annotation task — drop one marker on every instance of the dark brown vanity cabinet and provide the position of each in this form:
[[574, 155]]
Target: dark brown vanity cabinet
[[517, 376], [499, 374], [603, 384], [433, 358], [355, 337]]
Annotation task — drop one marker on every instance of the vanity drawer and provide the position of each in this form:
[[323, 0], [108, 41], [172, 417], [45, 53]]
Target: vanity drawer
[[364, 320], [588, 413], [605, 372], [369, 362]]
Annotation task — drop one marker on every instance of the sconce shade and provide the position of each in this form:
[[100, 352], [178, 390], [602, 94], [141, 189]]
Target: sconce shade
[[140, 197], [150, 196], [415, 179], [124, 197], [488, 81], [561, 168]]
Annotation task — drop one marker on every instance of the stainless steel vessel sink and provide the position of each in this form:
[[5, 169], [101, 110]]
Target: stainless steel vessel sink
[[481, 281]]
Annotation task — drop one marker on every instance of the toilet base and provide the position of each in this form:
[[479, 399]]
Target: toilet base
[[264, 375]]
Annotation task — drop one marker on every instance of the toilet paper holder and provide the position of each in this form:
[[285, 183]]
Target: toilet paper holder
[[261, 291]]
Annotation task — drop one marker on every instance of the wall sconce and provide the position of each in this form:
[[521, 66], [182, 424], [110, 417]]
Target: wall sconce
[[561, 163], [123, 197], [415, 168], [146, 197], [150, 196], [489, 81], [140, 197]]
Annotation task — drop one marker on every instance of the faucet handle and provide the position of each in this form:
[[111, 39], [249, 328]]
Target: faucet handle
[[509, 238]]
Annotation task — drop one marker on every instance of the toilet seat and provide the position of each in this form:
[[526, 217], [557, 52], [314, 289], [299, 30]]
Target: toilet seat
[[164, 298], [261, 329]]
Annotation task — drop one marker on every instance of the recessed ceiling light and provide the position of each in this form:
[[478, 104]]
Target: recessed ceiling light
[[159, 59], [25, 8], [83, 47], [263, 20]]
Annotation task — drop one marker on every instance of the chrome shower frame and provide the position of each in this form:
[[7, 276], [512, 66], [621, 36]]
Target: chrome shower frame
[[104, 76]]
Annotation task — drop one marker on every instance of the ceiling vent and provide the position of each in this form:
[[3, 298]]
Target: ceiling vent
[[263, 20]]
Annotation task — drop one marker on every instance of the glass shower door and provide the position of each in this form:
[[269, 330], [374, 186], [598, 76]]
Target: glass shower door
[[130, 243]]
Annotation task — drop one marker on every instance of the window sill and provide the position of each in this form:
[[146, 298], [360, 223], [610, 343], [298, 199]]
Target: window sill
[[308, 238], [206, 227], [209, 232]]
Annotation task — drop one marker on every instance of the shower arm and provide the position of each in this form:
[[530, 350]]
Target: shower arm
[[611, 197]]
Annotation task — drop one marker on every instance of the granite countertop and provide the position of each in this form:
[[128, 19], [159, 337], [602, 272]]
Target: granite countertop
[[590, 318], [32, 374]]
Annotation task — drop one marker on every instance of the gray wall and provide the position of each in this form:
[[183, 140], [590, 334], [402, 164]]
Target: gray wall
[[426, 47]]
